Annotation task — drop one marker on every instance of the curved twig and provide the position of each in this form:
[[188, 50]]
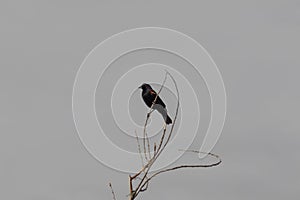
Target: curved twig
[[112, 191], [187, 166]]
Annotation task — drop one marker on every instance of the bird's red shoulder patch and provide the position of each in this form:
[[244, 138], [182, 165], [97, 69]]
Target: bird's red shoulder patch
[[152, 92]]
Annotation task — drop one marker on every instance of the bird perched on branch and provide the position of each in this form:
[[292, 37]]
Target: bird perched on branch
[[148, 95]]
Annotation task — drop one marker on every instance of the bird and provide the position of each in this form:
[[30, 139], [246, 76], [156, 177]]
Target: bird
[[148, 95]]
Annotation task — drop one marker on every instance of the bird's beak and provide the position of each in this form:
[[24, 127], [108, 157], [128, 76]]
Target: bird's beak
[[140, 87]]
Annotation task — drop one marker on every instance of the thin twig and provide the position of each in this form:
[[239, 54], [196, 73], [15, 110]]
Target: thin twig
[[130, 188], [161, 140], [139, 148], [148, 116], [112, 191], [187, 166]]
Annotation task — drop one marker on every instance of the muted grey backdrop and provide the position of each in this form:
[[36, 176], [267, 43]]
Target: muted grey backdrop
[[254, 43]]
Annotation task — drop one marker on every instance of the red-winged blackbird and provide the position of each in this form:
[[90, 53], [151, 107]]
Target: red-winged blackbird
[[148, 95]]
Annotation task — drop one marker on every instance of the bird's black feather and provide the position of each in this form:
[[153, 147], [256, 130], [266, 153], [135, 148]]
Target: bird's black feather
[[149, 95]]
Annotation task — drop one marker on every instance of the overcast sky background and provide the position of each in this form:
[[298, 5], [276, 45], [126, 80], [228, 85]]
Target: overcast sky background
[[255, 45]]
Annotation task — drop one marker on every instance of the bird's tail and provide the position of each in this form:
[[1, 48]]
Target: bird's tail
[[168, 120]]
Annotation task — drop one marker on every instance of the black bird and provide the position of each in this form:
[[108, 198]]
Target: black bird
[[148, 95]]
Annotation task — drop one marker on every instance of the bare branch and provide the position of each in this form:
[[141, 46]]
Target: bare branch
[[143, 176], [139, 148], [187, 166], [161, 146], [146, 138], [131, 193], [112, 191]]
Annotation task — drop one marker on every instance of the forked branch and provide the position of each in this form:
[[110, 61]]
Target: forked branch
[[143, 177]]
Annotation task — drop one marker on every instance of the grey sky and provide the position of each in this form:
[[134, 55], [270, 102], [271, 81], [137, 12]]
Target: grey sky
[[255, 45]]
